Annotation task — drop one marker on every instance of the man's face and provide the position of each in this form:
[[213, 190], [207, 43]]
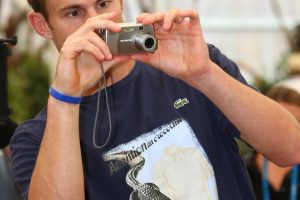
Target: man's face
[[66, 16]]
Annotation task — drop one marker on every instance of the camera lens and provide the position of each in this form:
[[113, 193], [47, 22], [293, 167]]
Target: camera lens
[[146, 42], [149, 43]]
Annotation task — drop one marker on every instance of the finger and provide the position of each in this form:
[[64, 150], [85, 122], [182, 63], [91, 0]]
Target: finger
[[141, 17], [192, 15], [171, 17], [153, 18], [100, 24], [104, 21], [98, 42], [88, 47]]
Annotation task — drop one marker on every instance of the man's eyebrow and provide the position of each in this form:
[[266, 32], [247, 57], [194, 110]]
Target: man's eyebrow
[[75, 6], [97, 1]]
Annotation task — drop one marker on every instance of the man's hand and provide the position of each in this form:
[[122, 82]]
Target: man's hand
[[78, 69], [182, 51]]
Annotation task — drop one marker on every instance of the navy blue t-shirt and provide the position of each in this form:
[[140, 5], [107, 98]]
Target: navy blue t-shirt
[[168, 141]]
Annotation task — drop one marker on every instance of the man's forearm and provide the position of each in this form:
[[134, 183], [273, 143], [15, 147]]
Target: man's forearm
[[58, 172], [263, 123]]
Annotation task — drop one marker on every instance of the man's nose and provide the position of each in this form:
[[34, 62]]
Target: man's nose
[[92, 12]]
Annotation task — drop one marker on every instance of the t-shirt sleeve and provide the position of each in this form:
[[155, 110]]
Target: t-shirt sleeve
[[225, 63], [24, 146], [232, 69]]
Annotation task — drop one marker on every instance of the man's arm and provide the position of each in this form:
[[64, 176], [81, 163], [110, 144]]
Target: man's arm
[[58, 172], [263, 123], [183, 53]]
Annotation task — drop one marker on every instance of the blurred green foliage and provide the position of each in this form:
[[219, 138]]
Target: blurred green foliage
[[264, 84], [28, 83]]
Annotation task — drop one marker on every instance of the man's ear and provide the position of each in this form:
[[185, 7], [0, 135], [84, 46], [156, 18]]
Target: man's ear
[[39, 24]]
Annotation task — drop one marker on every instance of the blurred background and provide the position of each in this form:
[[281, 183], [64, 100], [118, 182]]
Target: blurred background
[[261, 36]]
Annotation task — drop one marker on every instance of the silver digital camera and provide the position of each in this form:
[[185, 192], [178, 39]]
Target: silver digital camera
[[133, 38]]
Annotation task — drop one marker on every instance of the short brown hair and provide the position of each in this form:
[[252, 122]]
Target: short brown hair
[[284, 95], [39, 6]]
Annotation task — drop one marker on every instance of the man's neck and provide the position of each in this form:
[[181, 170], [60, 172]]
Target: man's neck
[[114, 75]]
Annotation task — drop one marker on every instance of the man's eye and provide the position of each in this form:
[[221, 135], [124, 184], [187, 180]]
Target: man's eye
[[73, 13], [104, 4]]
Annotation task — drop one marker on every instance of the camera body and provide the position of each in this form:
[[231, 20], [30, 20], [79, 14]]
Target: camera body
[[133, 38]]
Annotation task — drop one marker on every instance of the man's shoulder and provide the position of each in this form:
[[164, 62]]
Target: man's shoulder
[[32, 128], [216, 55]]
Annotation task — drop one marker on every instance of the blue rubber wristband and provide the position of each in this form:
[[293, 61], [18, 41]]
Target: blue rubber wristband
[[64, 98]]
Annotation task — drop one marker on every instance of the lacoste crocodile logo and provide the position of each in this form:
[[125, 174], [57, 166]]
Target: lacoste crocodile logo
[[180, 103]]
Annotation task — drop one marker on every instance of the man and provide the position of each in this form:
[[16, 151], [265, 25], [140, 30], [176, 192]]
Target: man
[[165, 135]]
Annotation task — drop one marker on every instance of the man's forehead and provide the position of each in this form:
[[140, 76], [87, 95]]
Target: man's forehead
[[60, 4]]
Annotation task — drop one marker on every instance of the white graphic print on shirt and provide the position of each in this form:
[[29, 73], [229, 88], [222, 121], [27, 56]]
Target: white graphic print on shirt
[[167, 163]]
